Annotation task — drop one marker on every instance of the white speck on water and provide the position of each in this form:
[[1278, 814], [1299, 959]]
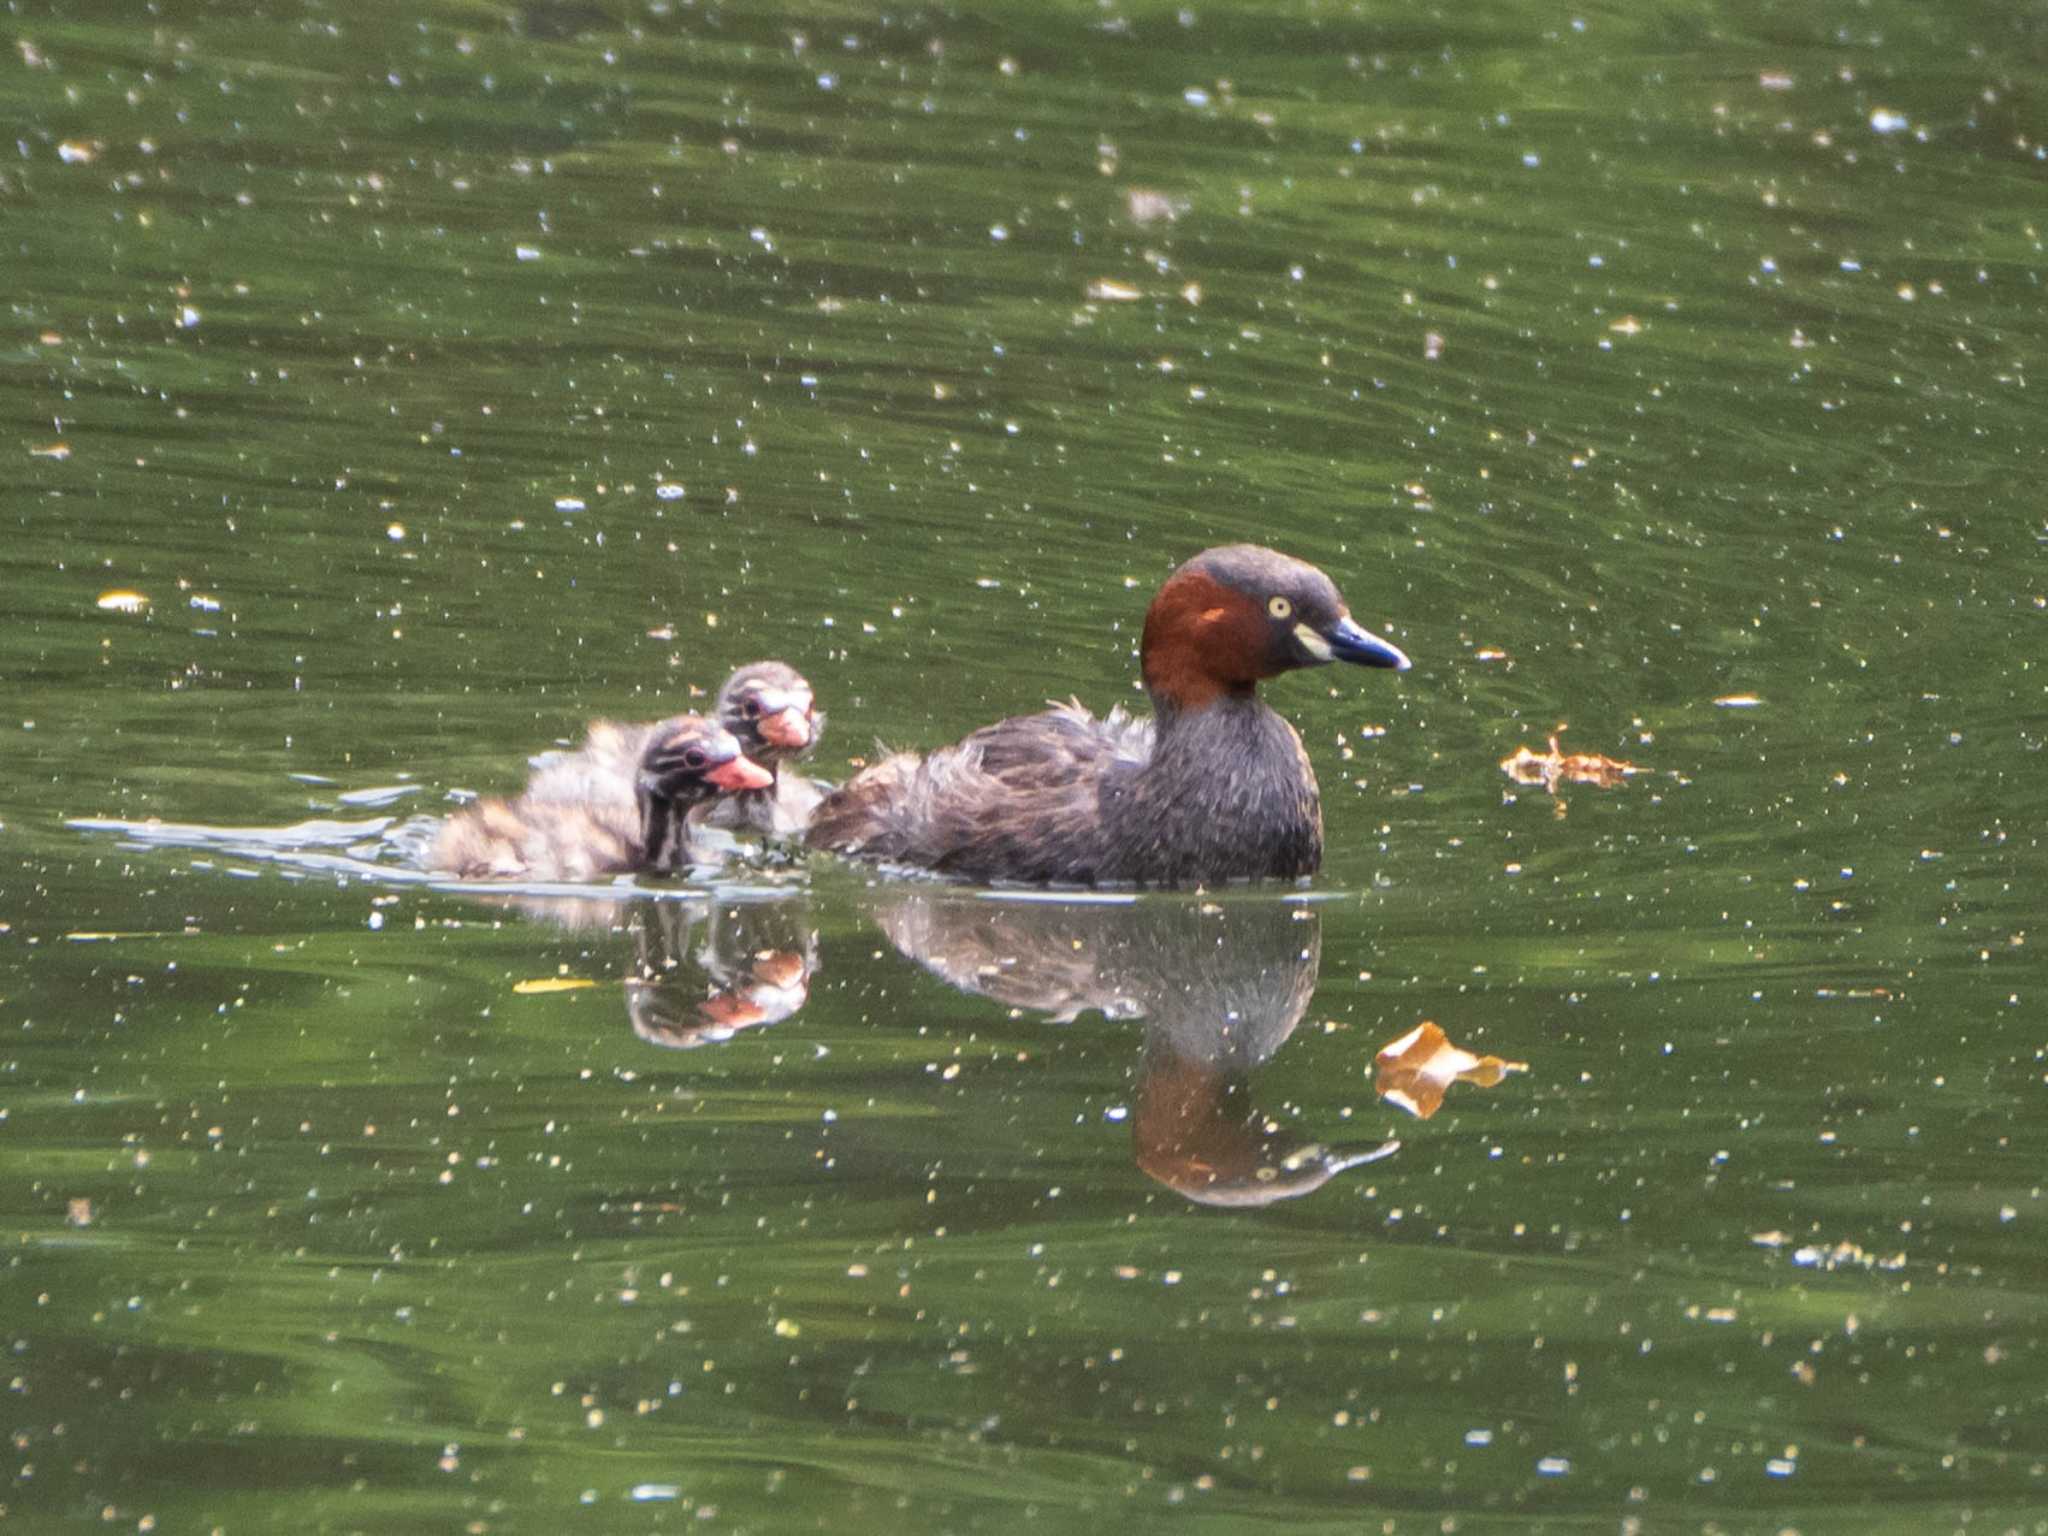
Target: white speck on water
[[526, 252], [827, 81], [569, 504], [649, 1493], [1195, 96], [188, 318], [1553, 1466], [376, 921], [1532, 160], [1479, 1437], [999, 232], [1117, 1113], [668, 490], [1884, 120]]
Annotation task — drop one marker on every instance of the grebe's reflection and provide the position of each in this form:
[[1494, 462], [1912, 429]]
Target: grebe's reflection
[[705, 966], [756, 956], [1220, 986]]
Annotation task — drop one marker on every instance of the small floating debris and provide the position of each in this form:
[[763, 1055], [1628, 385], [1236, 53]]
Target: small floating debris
[[78, 151], [1416, 1070], [1112, 291], [1145, 206], [1840, 1255], [121, 600], [1547, 770], [57, 451], [544, 984]]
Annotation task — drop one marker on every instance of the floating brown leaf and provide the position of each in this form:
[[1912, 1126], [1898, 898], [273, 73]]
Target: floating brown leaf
[[1415, 1070], [1547, 770]]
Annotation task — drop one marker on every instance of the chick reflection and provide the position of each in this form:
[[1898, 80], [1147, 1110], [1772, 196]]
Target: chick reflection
[[703, 969], [757, 956], [1219, 986]]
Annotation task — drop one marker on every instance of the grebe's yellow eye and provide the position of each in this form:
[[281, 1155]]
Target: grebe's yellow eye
[[1279, 607]]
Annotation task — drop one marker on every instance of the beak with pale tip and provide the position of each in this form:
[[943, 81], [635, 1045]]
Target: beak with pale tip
[[1345, 639]]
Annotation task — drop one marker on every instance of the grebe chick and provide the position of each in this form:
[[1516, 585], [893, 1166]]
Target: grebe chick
[[1214, 787], [769, 706], [549, 834]]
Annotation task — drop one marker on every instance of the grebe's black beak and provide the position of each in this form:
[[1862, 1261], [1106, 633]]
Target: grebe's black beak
[[1347, 640]]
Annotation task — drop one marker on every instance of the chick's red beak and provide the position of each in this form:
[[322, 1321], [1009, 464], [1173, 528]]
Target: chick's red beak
[[789, 728], [740, 773]]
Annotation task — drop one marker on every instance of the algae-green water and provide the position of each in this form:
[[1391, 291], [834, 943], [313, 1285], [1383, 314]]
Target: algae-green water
[[391, 389]]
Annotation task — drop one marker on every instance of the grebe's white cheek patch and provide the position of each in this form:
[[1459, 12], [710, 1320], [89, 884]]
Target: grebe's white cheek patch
[[1313, 643]]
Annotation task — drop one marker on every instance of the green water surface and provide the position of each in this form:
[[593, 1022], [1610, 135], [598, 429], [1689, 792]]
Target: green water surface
[[437, 377]]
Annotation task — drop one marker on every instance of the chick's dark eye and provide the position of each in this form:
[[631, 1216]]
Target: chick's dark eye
[[750, 706], [694, 758]]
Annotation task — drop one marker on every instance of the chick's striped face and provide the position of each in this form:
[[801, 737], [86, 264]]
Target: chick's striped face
[[691, 759], [770, 707]]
